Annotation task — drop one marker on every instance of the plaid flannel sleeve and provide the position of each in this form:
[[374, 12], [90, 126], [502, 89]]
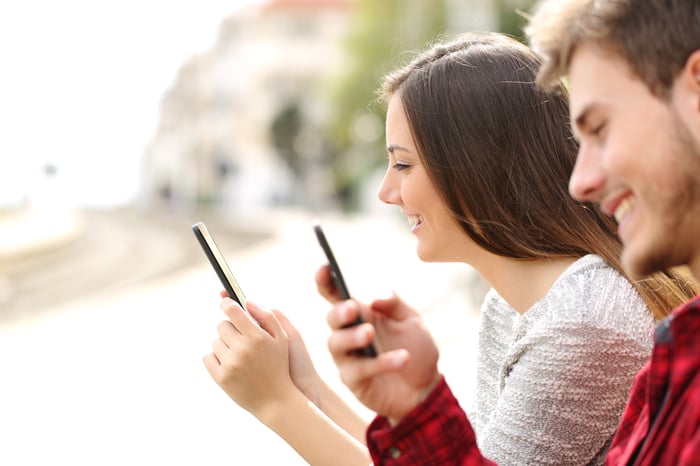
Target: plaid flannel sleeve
[[435, 432]]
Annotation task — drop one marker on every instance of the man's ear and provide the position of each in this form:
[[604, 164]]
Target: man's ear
[[691, 72], [687, 89]]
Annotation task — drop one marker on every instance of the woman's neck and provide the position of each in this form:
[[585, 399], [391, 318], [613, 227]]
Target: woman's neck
[[522, 283]]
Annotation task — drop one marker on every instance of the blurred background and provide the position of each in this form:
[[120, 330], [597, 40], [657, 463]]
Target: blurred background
[[123, 123]]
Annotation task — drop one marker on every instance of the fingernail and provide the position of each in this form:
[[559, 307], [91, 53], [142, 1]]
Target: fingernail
[[362, 335], [347, 310], [398, 358], [225, 302]]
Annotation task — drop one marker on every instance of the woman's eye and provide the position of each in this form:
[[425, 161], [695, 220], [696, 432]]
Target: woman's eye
[[398, 166]]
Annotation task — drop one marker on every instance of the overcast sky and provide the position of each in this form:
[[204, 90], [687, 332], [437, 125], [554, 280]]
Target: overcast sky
[[81, 85]]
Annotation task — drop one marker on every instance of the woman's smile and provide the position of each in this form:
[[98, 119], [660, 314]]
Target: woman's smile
[[415, 221]]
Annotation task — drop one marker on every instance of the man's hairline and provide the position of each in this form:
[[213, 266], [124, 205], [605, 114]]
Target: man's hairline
[[610, 50]]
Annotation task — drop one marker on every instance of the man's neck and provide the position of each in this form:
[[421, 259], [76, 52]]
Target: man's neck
[[694, 266]]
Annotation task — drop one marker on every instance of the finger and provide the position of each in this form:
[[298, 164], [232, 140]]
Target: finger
[[325, 285], [344, 341], [356, 371], [242, 320], [228, 356], [223, 294], [343, 314], [286, 324], [220, 349], [267, 320], [212, 364], [393, 360], [227, 332], [393, 307]]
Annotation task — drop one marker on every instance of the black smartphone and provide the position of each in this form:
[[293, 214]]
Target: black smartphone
[[339, 281], [216, 258]]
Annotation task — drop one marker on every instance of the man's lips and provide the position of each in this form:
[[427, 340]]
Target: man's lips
[[623, 208], [618, 205]]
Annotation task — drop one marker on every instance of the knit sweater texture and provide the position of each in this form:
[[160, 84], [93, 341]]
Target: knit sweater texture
[[552, 382]]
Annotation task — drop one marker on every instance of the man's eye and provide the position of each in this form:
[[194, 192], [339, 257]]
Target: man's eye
[[598, 129], [398, 166]]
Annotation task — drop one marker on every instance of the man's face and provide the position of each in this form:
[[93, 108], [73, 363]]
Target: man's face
[[639, 158]]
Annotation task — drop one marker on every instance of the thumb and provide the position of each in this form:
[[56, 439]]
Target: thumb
[[285, 323], [392, 307], [265, 319]]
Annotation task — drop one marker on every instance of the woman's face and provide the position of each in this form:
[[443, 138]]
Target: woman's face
[[407, 185]]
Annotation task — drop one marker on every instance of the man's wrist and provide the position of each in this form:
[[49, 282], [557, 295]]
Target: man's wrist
[[421, 397]]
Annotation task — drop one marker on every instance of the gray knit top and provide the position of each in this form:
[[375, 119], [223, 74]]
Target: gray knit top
[[552, 383]]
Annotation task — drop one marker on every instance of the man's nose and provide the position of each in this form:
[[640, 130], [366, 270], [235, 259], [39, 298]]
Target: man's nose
[[588, 176]]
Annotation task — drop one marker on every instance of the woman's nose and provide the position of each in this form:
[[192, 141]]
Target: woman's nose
[[389, 191]]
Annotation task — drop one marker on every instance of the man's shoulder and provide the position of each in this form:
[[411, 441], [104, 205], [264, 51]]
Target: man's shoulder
[[685, 317]]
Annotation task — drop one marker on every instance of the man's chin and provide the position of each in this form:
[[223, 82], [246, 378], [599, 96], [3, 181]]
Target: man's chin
[[639, 264]]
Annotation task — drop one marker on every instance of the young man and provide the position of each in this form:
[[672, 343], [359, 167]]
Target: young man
[[633, 68]]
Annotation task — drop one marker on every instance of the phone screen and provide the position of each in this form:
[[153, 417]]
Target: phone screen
[[217, 260], [339, 281]]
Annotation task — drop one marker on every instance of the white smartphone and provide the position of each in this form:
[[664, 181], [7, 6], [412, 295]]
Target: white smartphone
[[216, 258]]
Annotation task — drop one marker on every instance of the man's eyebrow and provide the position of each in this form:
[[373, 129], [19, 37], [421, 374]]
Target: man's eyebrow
[[581, 120], [394, 147]]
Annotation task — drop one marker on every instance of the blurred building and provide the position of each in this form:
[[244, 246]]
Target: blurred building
[[242, 125], [214, 143]]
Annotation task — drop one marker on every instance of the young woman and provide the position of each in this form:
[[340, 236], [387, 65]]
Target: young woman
[[479, 161]]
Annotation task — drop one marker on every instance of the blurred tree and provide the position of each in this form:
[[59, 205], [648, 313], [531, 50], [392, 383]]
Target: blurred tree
[[285, 129], [381, 33], [511, 16]]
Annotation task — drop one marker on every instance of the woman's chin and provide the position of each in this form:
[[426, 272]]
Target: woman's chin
[[424, 254]]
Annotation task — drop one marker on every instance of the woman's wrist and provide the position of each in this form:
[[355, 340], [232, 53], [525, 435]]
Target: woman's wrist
[[314, 390], [281, 408], [293, 416]]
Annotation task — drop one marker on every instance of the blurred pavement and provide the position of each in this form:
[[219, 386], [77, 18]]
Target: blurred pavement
[[117, 377]]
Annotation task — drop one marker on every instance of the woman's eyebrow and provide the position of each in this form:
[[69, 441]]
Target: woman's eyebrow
[[395, 147]]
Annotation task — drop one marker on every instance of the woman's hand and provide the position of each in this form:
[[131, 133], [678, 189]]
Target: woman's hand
[[255, 364], [404, 372], [301, 367], [250, 361]]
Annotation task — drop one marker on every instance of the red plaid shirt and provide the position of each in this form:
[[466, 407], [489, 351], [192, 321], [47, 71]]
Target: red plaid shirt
[[435, 432], [660, 425]]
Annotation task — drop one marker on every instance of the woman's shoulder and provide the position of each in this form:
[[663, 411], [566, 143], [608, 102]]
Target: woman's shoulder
[[591, 291], [591, 278], [590, 263]]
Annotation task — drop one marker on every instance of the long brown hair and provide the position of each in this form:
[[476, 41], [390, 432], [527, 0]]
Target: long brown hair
[[500, 152]]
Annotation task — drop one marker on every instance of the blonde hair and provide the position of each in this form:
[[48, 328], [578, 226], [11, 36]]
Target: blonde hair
[[665, 291]]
